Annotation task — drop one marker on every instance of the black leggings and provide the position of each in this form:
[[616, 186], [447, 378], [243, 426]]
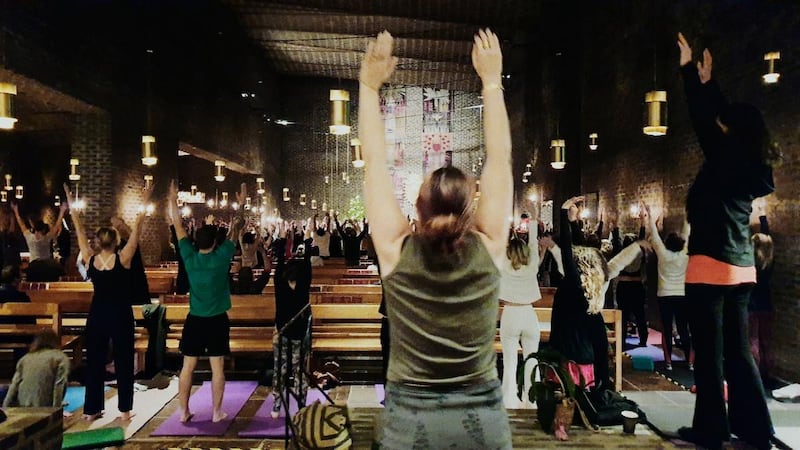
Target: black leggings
[[675, 307], [631, 298], [102, 327]]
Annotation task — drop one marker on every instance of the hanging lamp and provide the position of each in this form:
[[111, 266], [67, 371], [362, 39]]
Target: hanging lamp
[[4, 196], [559, 154], [8, 186], [340, 112], [286, 194], [148, 181], [355, 153], [302, 199], [7, 93], [771, 77], [593, 141], [224, 202], [73, 170], [313, 204], [149, 155], [260, 186], [19, 192], [57, 201], [528, 168], [656, 113], [219, 170]]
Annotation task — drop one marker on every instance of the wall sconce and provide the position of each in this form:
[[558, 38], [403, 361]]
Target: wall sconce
[[347, 179], [260, 186], [19, 193], [340, 112], [313, 204], [73, 170], [4, 196], [593, 141], [327, 179], [771, 76], [528, 168], [148, 181], [656, 116], [559, 154], [193, 190], [219, 170], [302, 199], [634, 210], [7, 93], [149, 155], [57, 202], [355, 153], [324, 206], [8, 186], [286, 194], [344, 176], [224, 202]]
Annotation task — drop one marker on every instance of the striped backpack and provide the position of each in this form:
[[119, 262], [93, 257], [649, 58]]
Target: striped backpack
[[322, 427]]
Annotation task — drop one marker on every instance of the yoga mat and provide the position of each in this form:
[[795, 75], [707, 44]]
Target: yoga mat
[[380, 391], [680, 373], [146, 404], [104, 437], [264, 426], [236, 395], [363, 397], [75, 397]]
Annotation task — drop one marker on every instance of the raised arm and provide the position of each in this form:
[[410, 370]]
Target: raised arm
[[56, 229], [22, 226], [381, 205], [174, 215], [237, 220], [568, 212], [652, 229], [83, 242], [127, 252], [494, 207]]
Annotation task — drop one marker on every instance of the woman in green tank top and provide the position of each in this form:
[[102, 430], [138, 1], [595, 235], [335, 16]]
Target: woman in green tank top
[[441, 282]]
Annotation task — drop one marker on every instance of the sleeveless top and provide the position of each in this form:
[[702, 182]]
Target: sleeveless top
[[521, 285], [111, 287], [443, 312]]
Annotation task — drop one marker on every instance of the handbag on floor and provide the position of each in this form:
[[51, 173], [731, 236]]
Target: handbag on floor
[[322, 427]]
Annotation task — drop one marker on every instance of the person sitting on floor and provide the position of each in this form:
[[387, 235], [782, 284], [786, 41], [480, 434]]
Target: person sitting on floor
[[41, 376]]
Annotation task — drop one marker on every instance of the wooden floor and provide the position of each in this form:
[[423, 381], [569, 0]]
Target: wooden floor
[[525, 430]]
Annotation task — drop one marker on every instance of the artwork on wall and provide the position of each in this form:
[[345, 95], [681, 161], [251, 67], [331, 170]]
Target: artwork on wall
[[393, 108], [436, 128]]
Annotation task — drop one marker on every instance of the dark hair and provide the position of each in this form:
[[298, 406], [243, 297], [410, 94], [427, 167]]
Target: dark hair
[[593, 240], [45, 339], [10, 274], [249, 238], [445, 208], [108, 237], [41, 227], [206, 237], [749, 133], [320, 231], [674, 242], [628, 239]]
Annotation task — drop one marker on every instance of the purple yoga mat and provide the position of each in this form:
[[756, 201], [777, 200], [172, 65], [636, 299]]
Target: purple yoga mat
[[264, 426], [380, 392], [236, 395]]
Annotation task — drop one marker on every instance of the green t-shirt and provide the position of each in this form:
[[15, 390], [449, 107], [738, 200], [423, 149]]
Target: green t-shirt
[[209, 288]]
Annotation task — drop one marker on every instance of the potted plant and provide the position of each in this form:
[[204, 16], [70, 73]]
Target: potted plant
[[553, 390]]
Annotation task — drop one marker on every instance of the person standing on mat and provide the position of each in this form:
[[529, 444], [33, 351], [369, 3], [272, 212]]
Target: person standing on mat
[[206, 331], [110, 314], [738, 155], [442, 282]]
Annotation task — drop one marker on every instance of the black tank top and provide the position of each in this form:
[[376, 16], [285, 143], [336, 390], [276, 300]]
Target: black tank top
[[111, 287]]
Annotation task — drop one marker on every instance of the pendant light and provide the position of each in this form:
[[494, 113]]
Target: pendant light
[[219, 170], [559, 154], [528, 168], [340, 112], [4, 196], [8, 186], [57, 201], [355, 153], [593, 141], [193, 190], [248, 203], [260, 186], [224, 202], [656, 113], [149, 155], [771, 77], [19, 192], [73, 170], [302, 199], [148, 181], [286, 197], [7, 93], [313, 204]]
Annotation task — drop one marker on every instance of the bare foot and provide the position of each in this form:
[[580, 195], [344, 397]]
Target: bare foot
[[127, 416], [67, 414], [92, 417], [219, 417], [186, 416]]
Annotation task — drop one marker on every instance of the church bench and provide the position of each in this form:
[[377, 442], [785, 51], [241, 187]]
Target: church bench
[[17, 332]]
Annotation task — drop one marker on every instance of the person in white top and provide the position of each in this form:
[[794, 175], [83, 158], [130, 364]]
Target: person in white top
[[672, 262]]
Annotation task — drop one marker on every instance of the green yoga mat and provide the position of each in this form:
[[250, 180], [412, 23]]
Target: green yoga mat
[[101, 437]]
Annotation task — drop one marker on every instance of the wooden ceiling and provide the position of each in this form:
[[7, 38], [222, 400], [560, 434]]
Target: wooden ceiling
[[327, 38]]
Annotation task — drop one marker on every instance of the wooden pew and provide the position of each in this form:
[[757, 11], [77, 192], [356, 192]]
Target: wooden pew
[[46, 315], [252, 326]]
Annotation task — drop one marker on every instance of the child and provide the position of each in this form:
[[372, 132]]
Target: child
[[41, 376]]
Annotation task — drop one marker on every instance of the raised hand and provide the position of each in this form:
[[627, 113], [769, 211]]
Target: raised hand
[[241, 196], [487, 58], [686, 50], [378, 63], [67, 196], [172, 194], [704, 67], [15, 207], [572, 202]]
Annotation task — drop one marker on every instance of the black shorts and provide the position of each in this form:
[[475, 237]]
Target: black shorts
[[206, 336]]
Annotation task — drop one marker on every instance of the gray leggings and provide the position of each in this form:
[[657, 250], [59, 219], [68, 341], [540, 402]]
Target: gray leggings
[[463, 418]]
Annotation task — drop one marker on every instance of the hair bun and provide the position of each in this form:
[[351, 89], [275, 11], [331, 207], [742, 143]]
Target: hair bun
[[445, 230]]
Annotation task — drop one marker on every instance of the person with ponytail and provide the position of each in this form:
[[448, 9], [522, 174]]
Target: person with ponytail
[[110, 314], [442, 282]]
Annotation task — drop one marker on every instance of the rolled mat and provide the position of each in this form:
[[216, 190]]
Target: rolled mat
[[101, 437], [236, 395], [264, 426]]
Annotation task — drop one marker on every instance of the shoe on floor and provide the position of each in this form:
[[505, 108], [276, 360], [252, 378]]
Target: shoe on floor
[[689, 435]]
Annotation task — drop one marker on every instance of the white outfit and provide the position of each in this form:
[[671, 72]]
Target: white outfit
[[671, 267], [324, 243], [519, 324], [39, 248]]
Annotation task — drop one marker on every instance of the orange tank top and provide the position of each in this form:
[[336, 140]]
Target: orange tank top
[[704, 269]]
